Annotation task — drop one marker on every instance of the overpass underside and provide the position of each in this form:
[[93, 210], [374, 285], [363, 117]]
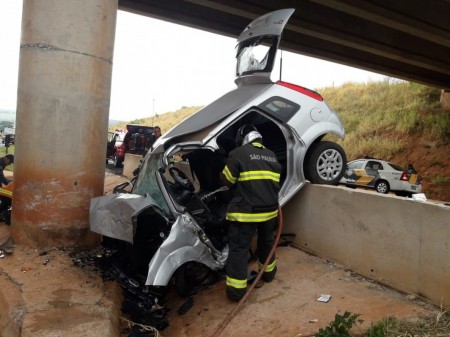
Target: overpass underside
[[405, 39]]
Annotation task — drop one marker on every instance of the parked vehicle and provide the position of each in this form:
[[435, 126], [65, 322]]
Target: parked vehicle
[[382, 176], [114, 148], [9, 136], [173, 222], [135, 140]]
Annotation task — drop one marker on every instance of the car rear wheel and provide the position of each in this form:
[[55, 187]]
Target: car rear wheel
[[382, 187], [325, 163]]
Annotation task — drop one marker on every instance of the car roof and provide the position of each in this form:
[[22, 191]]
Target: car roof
[[394, 166]]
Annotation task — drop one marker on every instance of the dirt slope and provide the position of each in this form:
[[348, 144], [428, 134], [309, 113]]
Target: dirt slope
[[432, 162]]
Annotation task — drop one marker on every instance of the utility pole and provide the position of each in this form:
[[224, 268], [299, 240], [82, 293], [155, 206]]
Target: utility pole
[[153, 119]]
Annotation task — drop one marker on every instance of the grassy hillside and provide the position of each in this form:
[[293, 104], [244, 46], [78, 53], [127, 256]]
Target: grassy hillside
[[398, 121], [164, 121], [379, 117]]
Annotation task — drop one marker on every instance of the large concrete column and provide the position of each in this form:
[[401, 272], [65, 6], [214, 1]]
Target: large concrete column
[[63, 100]]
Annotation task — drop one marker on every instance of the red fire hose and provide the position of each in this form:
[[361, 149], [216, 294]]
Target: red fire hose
[[230, 316]]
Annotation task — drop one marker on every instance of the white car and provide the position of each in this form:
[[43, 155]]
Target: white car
[[382, 176], [173, 221]]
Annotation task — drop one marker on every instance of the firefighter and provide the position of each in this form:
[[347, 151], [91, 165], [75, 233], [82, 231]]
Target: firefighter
[[253, 174], [5, 188], [7, 142]]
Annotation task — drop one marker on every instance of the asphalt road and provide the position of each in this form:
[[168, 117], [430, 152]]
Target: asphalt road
[[110, 168]]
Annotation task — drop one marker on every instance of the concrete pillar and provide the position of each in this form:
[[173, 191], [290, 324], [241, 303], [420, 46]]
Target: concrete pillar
[[63, 100], [445, 99]]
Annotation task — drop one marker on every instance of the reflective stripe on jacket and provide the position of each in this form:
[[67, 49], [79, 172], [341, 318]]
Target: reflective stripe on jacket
[[254, 171], [6, 190]]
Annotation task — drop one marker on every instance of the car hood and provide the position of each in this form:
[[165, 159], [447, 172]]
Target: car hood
[[115, 215]]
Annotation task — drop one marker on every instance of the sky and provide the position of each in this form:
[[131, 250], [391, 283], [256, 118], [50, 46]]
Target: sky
[[160, 67]]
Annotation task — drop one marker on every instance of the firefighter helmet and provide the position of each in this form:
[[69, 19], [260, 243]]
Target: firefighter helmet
[[247, 133]]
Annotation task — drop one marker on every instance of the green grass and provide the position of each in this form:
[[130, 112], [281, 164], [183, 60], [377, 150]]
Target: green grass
[[439, 180], [347, 325], [378, 116], [438, 326]]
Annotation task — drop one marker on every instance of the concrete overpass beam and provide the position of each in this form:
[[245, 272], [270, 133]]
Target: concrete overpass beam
[[63, 100]]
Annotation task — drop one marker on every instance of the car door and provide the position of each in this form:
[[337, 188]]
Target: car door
[[356, 174], [371, 173], [257, 47]]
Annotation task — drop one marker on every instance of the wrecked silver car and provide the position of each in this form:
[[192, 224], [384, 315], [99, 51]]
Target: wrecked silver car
[[173, 221]]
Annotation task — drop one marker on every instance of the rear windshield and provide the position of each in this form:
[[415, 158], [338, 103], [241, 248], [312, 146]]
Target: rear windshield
[[396, 167], [256, 55]]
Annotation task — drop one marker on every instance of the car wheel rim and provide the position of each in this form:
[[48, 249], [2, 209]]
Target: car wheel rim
[[329, 164], [382, 188]]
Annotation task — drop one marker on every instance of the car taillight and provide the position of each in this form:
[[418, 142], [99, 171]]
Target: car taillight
[[305, 91], [404, 177]]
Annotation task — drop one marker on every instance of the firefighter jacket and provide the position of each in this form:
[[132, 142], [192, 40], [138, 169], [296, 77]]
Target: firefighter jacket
[[7, 190], [253, 172]]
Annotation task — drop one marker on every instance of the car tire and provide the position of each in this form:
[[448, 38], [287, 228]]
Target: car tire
[[325, 163], [189, 278], [117, 161], [382, 186]]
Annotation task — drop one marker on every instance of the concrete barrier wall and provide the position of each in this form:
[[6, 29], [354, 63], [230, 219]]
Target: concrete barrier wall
[[397, 241]]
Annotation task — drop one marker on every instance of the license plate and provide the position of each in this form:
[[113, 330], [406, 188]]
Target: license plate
[[413, 187]]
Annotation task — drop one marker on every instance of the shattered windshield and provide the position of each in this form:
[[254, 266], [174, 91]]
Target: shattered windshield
[[146, 182], [255, 55]]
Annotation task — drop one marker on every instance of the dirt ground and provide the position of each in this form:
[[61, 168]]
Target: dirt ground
[[289, 307], [42, 293]]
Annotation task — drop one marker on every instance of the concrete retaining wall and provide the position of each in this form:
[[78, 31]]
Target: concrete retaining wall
[[397, 241]]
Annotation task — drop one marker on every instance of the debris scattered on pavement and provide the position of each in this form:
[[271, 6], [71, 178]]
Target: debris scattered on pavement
[[419, 197], [186, 306], [7, 246], [324, 298], [141, 303], [136, 329]]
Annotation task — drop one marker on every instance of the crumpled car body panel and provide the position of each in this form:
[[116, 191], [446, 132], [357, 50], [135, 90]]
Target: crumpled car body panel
[[113, 215]]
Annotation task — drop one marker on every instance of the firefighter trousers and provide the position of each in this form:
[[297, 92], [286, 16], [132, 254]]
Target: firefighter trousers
[[240, 235]]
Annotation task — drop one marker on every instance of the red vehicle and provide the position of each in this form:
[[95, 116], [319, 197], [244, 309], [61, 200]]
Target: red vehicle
[[115, 149], [134, 141]]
